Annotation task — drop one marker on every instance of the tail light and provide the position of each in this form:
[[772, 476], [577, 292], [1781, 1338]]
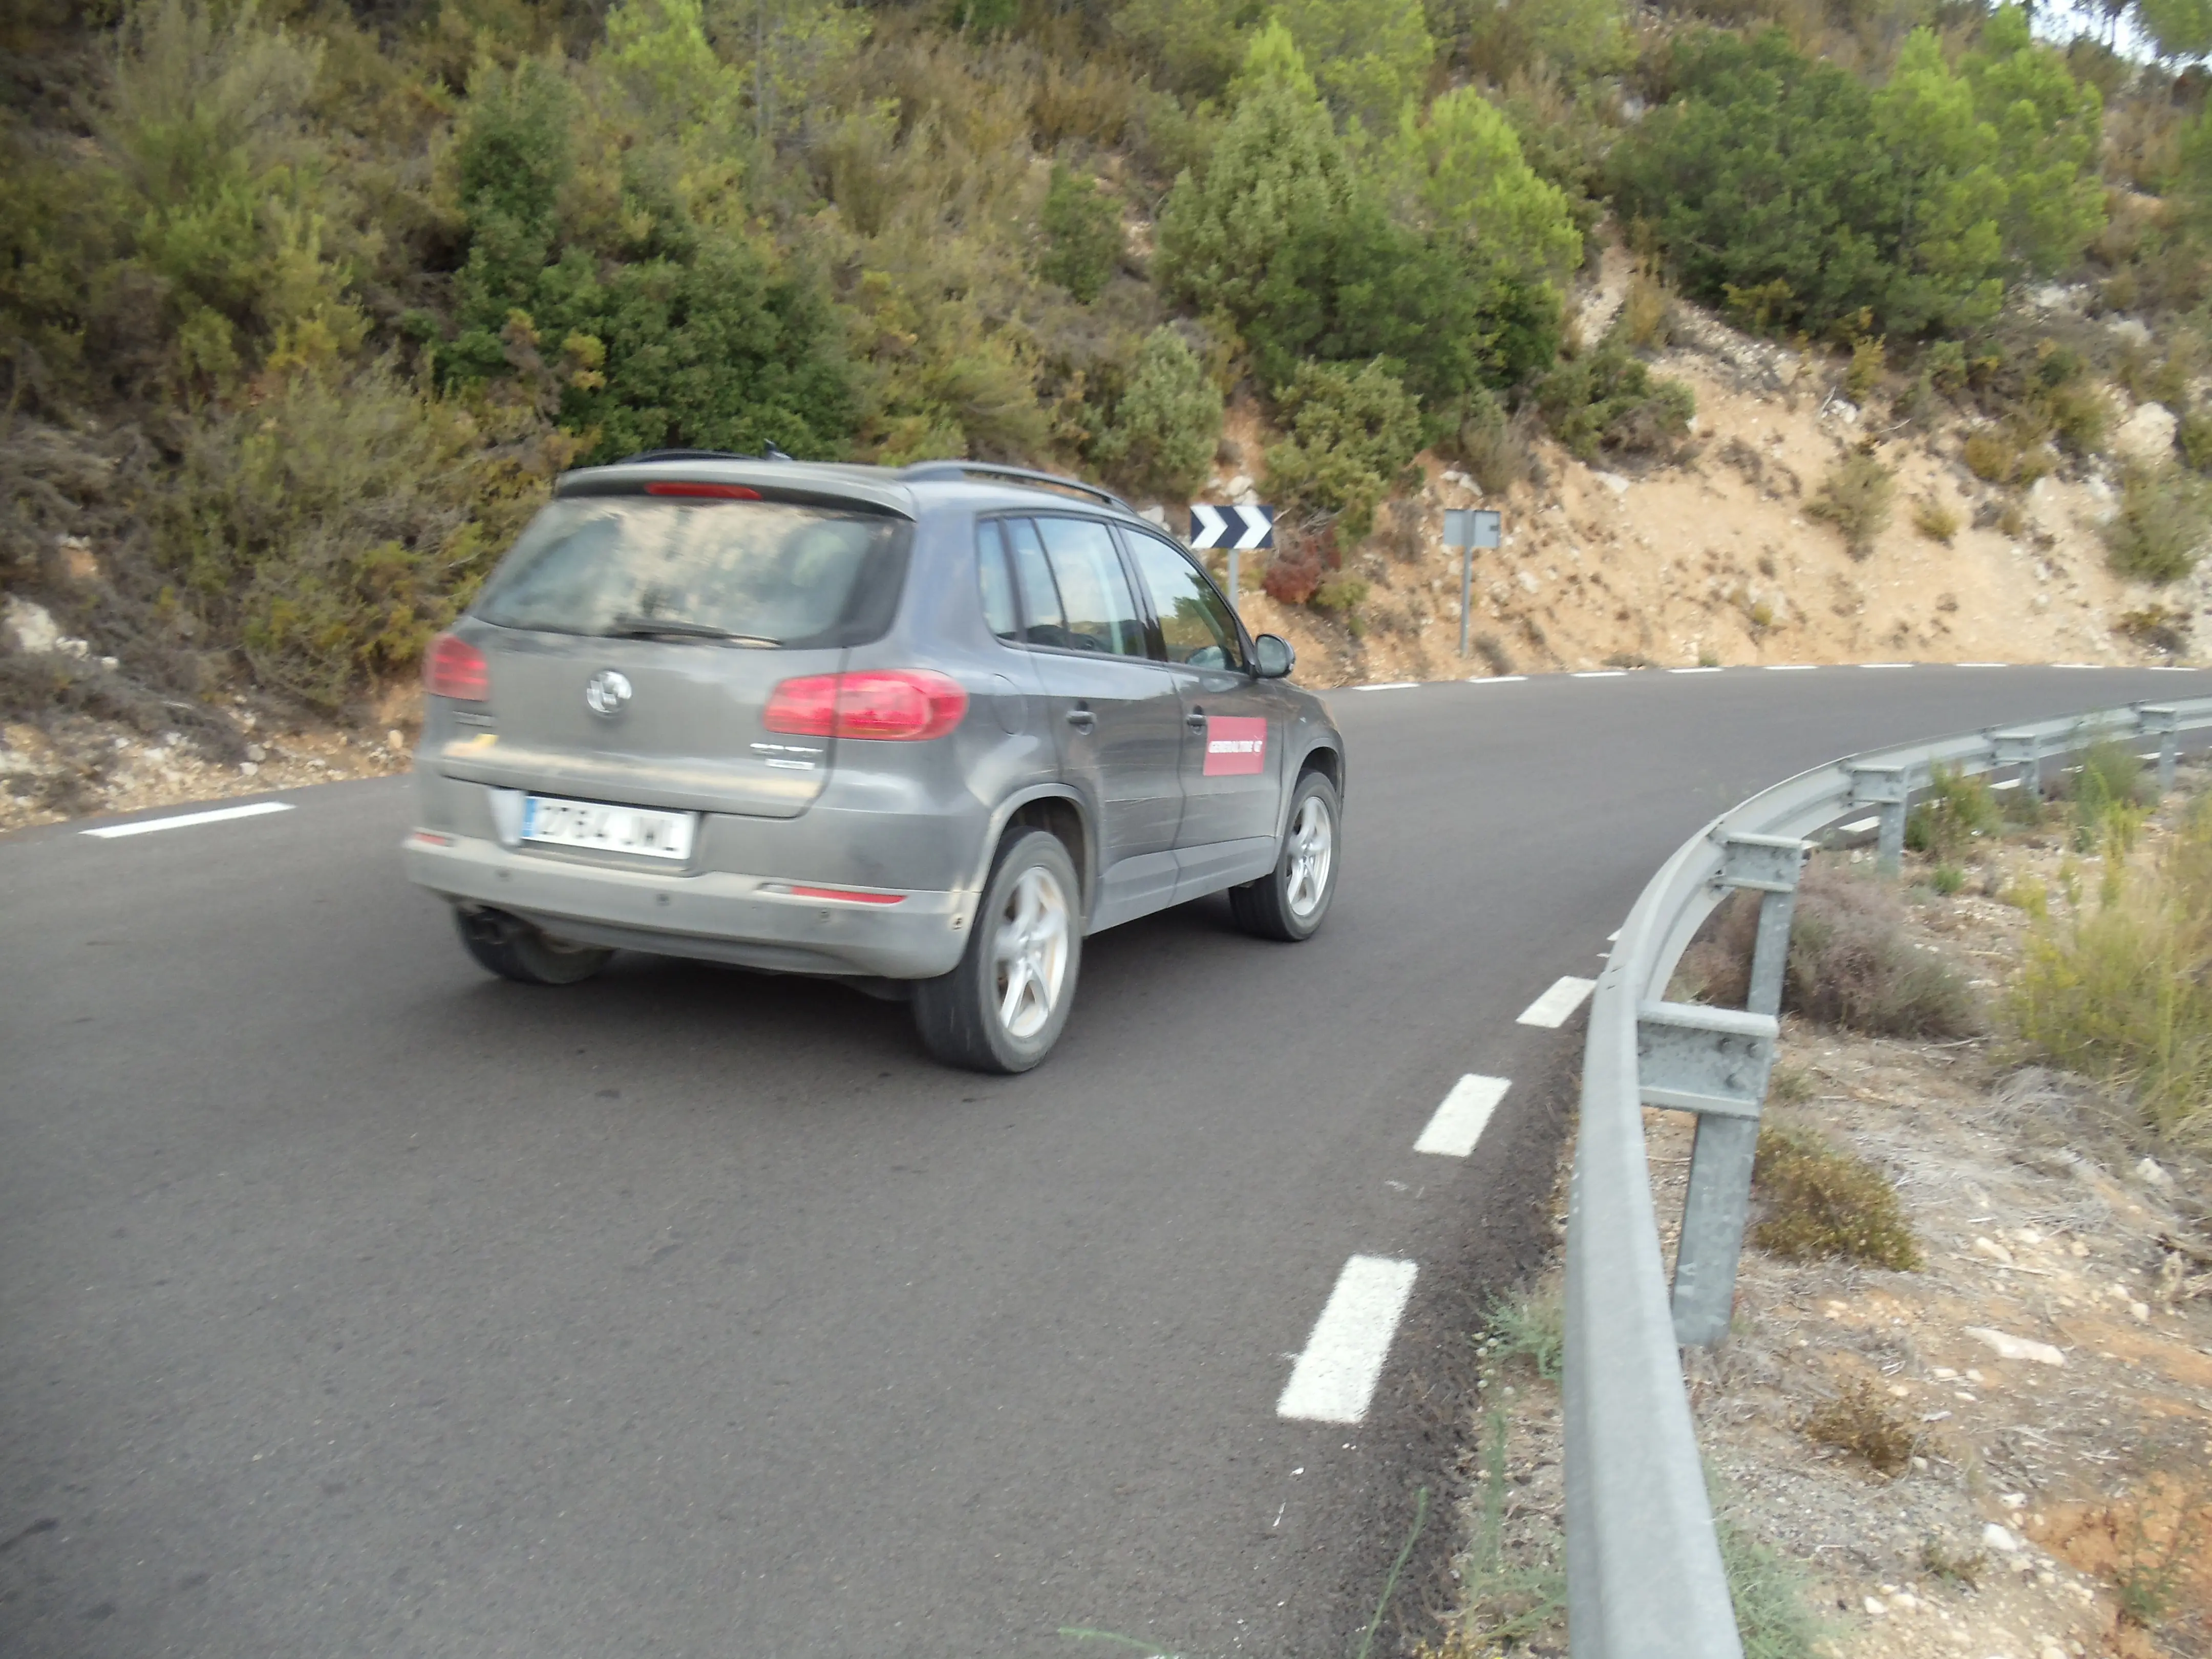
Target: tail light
[[902, 705], [456, 669], [705, 492]]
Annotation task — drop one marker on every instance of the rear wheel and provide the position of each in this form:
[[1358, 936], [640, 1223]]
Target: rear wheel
[[1005, 1005], [513, 949], [1288, 902]]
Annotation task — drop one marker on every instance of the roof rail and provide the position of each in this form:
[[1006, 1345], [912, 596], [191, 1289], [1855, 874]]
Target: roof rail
[[769, 452], [921, 471]]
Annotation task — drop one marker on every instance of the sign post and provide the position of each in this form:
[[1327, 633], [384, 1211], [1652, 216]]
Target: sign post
[[1234, 528], [1467, 528]]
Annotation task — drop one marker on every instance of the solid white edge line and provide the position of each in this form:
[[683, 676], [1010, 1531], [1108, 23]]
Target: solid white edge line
[[1465, 1114], [1861, 827], [1551, 1010], [113, 831], [1334, 1378], [1494, 679]]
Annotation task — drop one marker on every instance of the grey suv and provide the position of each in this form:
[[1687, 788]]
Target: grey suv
[[919, 729]]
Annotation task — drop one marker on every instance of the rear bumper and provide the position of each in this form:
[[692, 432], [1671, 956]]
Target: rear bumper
[[715, 916]]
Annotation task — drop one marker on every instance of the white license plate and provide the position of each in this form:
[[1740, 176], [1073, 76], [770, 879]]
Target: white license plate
[[634, 829]]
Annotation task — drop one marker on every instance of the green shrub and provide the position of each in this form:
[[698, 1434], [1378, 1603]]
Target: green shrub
[[1856, 498], [1609, 399], [1082, 229], [1957, 809], [1851, 965], [1863, 1420], [334, 528], [2158, 534], [1161, 433], [1936, 520], [1350, 437], [1815, 1199], [2193, 438], [1787, 186]]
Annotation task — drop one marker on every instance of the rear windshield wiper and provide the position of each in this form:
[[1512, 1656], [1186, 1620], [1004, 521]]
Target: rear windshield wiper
[[646, 628]]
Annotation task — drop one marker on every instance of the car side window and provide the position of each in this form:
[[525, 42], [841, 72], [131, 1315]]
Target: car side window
[[1101, 612], [1046, 622], [1194, 621], [998, 587]]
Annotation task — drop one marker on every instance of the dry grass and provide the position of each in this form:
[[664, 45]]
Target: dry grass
[[1817, 1201], [1855, 497], [1861, 1420], [2122, 991], [1935, 519]]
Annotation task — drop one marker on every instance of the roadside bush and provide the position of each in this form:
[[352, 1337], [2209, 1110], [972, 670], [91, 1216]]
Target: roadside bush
[[1855, 497], [2108, 799], [1082, 231], [1350, 437], [1958, 810], [2159, 531], [2156, 628], [1163, 430], [1864, 1421], [1815, 1199], [1492, 444], [2122, 992], [1609, 399], [1851, 964], [333, 529], [1936, 520]]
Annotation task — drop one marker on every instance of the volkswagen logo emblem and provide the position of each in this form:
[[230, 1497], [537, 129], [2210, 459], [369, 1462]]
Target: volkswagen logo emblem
[[605, 692]]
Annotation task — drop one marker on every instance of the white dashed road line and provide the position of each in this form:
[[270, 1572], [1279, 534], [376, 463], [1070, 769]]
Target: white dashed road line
[[1389, 685], [1790, 667], [1885, 665], [1463, 1116], [1334, 1378], [112, 831], [1981, 665], [1598, 673], [1552, 1008], [1494, 679], [1694, 671]]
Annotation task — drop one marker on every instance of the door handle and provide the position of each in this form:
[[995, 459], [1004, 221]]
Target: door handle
[[1196, 722], [1082, 719]]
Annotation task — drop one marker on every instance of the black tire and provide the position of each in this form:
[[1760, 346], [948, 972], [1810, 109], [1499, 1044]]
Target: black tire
[[513, 949], [962, 1015], [1281, 905]]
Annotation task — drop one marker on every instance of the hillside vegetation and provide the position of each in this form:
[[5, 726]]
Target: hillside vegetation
[[303, 305]]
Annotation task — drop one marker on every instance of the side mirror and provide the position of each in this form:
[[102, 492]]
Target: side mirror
[[1272, 657]]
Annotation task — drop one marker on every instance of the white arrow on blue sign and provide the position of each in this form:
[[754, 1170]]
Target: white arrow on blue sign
[[1231, 526]]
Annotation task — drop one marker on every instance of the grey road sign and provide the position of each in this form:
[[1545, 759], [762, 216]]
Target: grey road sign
[[1472, 526]]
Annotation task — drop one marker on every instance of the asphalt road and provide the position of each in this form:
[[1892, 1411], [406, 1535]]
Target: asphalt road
[[353, 1303]]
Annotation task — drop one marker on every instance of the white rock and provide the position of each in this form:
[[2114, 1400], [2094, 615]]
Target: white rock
[[32, 625], [111, 664], [2131, 331], [247, 768], [1240, 483], [255, 752], [70, 645], [1527, 578], [1876, 1606], [2147, 434], [1993, 1250], [1154, 514], [1999, 1538], [2152, 1173], [1612, 481], [2009, 1346], [395, 739], [2013, 1500]]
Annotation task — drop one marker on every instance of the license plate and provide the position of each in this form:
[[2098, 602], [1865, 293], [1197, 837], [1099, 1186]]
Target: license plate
[[634, 829]]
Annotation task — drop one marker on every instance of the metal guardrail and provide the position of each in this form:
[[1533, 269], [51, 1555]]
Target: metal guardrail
[[1643, 1565]]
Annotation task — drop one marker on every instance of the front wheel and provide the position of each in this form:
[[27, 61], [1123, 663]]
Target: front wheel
[[1288, 902], [1005, 1005]]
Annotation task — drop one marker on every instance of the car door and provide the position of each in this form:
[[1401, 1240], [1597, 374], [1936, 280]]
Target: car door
[[1234, 724], [1115, 713]]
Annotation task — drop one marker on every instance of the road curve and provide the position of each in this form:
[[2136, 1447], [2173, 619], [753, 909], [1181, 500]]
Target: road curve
[[353, 1303]]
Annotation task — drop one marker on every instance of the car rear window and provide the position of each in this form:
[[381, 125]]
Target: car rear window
[[763, 572]]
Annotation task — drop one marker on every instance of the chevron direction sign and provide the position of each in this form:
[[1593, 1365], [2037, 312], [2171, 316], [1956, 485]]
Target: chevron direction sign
[[1231, 526]]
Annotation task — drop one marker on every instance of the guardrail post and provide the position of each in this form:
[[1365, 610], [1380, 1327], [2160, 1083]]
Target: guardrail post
[[1888, 787], [1714, 1062], [2025, 750], [2162, 722]]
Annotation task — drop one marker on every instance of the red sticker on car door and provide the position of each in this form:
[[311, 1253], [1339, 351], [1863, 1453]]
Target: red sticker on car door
[[1235, 744]]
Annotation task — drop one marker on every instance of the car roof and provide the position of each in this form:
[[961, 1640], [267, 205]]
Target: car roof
[[902, 490]]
